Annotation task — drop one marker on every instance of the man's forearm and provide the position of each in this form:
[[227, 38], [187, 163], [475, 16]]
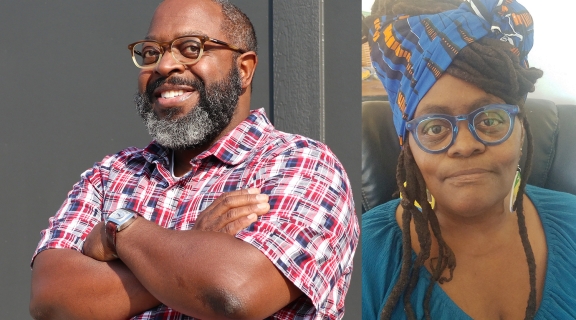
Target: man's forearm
[[69, 285], [203, 274]]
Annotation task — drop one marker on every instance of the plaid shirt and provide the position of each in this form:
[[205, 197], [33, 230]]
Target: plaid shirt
[[310, 233]]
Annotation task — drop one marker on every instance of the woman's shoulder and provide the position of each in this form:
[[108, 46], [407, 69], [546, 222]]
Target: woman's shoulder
[[381, 256], [380, 228], [548, 193], [554, 206], [557, 211], [382, 214]]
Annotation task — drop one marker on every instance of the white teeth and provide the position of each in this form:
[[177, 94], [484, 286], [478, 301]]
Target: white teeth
[[172, 94]]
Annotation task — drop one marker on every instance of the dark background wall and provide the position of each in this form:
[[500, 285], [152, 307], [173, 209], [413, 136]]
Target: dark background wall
[[67, 82]]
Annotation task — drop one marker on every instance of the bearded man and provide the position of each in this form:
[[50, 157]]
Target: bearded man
[[221, 216]]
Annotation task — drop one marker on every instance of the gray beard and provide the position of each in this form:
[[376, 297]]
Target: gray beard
[[203, 123]]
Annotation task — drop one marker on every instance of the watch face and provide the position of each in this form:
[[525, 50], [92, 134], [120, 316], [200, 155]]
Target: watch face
[[120, 216], [117, 214]]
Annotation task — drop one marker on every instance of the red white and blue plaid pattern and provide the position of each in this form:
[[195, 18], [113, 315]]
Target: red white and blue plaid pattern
[[310, 233]]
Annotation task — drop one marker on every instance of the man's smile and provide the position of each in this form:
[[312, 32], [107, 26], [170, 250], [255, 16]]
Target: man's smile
[[171, 94], [167, 96]]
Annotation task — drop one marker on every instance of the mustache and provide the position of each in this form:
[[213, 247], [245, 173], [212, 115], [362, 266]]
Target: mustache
[[195, 83]]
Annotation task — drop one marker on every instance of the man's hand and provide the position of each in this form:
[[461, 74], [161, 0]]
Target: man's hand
[[96, 245], [230, 213], [233, 211]]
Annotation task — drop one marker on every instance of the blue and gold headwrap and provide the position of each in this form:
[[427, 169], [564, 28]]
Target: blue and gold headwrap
[[410, 53]]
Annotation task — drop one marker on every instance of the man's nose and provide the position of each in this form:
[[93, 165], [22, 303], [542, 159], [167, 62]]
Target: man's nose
[[168, 64]]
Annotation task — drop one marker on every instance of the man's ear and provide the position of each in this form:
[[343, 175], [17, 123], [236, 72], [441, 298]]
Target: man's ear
[[247, 65]]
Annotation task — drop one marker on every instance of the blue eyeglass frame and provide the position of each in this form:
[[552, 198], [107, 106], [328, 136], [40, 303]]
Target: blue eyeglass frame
[[512, 111]]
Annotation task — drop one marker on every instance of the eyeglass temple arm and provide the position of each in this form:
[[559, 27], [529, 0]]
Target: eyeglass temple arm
[[235, 48]]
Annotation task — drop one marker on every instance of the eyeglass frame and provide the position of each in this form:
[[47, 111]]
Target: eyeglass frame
[[511, 110], [203, 38]]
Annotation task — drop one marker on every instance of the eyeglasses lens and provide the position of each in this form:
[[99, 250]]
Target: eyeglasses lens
[[186, 50], [435, 133], [147, 53], [490, 126]]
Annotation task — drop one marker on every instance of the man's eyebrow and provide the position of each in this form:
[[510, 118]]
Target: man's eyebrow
[[179, 34]]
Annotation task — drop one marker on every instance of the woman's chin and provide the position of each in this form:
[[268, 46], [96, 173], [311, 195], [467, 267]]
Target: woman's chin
[[469, 205]]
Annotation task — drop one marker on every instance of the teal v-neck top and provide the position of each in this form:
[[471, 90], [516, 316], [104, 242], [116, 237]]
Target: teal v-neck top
[[382, 258]]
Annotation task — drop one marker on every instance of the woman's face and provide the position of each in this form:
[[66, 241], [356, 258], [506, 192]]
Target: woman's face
[[469, 177]]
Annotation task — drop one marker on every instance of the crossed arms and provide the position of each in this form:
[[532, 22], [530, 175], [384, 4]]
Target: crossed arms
[[204, 272], [304, 237]]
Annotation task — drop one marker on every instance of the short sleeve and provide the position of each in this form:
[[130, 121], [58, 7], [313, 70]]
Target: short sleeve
[[79, 213], [311, 231]]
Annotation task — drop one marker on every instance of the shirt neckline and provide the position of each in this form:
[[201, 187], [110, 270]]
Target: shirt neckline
[[446, 300], [233, 148]]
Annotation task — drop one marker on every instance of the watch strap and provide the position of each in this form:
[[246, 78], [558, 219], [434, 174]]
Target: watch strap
[[111, 234], [112, 229]]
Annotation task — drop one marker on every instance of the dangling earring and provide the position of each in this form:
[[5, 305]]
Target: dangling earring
[[515, 189], [429, 197]]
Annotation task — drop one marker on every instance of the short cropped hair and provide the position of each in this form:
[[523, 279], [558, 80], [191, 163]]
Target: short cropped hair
[[237, 27]]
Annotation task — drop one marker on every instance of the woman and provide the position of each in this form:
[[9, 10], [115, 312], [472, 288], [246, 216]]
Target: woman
[[463, 242]]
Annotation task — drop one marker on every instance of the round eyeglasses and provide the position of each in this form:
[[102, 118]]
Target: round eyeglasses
[[186, 50], [491, 125]]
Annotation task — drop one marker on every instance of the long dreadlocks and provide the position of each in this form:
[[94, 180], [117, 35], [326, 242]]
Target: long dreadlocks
[[492, 66]]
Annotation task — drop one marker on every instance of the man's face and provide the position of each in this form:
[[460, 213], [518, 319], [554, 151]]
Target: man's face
[[200, 125], [187, 106]]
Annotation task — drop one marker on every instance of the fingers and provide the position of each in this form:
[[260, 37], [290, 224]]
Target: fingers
[[244, 220], [239, 211], [96, 245], [222, 197], [252, 201], [233, 211]]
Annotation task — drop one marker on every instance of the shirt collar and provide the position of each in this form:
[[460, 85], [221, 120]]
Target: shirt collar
[[232, 149], [154, 152], [235, 147]]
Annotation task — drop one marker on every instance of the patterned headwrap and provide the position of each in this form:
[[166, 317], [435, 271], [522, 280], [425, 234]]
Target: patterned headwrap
[[410, 53]]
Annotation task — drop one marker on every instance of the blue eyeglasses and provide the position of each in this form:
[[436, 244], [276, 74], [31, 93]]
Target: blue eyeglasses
[[491, 125]]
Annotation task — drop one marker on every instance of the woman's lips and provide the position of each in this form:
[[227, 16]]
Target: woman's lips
[[467, 174]]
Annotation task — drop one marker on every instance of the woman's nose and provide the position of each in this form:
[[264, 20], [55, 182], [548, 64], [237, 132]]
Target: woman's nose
[[465, 144]]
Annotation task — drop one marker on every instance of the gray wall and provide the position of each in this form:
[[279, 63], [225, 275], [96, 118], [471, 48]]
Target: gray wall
[[67, 83]]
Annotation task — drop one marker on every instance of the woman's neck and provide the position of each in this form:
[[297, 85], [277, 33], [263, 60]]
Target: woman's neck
[[479, 232]]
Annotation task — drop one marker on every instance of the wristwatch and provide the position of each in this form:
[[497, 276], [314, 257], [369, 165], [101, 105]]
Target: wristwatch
[[118, 221]]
